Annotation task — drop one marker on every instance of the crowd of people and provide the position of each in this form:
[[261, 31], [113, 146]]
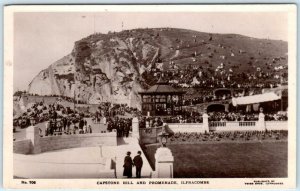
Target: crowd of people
[[229, 136], [64, 120], [220, 76], [107, 109], [241, 116], [121, 125], [59, 119], [186, 117], [67, 126], [61, 97], [196, 117], [149, 122], [283, 116], [199, 96], [232, 116]]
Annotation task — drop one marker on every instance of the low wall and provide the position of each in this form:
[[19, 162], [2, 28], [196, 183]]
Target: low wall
[[149, 135], [276, 125], [80, 140], [27, 166], [235, 126], [22, 146], [186, 127]]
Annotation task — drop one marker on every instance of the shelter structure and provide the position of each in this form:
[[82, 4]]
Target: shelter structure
[[161, 99], [220, 92], [274, 99]]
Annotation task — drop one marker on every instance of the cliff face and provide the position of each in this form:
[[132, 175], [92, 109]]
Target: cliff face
[[99, 68], [115, 66]]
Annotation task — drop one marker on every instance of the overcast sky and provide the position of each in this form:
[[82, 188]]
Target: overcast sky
[[42, 38]]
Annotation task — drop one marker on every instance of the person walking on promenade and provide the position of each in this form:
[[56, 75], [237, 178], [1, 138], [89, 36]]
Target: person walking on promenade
[[47, 129], [126, 129], [128, 166], [81, 124], [138, 163], [65, 123], [68, 126]]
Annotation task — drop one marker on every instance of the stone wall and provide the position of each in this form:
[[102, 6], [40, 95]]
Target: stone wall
[[277, 125], [35, 144], [81, 140], [22, 146], [186, 127]]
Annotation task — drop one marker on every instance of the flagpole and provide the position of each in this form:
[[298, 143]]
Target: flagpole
[[74, 101]]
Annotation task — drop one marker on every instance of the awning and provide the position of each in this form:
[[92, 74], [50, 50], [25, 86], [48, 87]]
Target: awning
[[269, 96]]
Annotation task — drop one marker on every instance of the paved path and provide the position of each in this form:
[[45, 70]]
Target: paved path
[[85, 162], [67, 163], [130, 144]]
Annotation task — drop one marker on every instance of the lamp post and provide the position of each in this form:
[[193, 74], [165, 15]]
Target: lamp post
[[32, 121], [163, 158], [163, 137]]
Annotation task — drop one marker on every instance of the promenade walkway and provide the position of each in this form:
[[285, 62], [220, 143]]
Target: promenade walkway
[[130, 144], [84, 162]]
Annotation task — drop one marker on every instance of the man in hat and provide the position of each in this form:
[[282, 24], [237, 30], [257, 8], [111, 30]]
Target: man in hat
[[128, 166], [126, 128], [138, 162]]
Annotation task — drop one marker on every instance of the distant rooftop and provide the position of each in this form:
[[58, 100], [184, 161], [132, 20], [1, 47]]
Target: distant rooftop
[[162, 87]]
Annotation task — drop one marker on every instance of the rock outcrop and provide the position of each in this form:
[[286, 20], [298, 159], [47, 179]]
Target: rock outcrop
[[115, 66]]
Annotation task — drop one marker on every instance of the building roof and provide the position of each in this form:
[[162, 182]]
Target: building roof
[[265, 97], [162, 87]]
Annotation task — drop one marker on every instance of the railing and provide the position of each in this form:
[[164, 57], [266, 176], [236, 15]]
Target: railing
[[247, 123], [232, 124], [217, 124]]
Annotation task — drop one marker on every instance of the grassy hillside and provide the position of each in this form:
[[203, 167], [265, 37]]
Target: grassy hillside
[[234, 51]]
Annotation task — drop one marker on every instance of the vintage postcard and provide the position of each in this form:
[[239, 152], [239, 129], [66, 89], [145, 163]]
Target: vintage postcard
[[150, 96]]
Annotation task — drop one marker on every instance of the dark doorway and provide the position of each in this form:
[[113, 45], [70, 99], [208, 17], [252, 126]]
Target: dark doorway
[[216, 108]]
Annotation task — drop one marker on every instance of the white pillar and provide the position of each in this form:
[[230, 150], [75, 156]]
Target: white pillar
[[261, 121], [164, 163], [104, 120], [205, 122], [32, 133], [135, 128]]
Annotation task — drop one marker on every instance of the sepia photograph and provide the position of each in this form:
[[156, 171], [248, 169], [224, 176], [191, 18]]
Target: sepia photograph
[[150, 96]]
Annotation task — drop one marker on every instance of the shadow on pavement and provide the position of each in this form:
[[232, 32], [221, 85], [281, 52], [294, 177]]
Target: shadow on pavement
[[121, 141]]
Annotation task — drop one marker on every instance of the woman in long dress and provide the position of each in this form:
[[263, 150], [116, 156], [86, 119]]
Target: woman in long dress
[[128, 165]]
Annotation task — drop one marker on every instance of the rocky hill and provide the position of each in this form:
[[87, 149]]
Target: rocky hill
[[115, 66]]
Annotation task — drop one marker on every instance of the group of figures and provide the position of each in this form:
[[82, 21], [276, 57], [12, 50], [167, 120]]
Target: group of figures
[[107, 109], [67, 126], [137, 162], [147, 122], [121, 125]]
